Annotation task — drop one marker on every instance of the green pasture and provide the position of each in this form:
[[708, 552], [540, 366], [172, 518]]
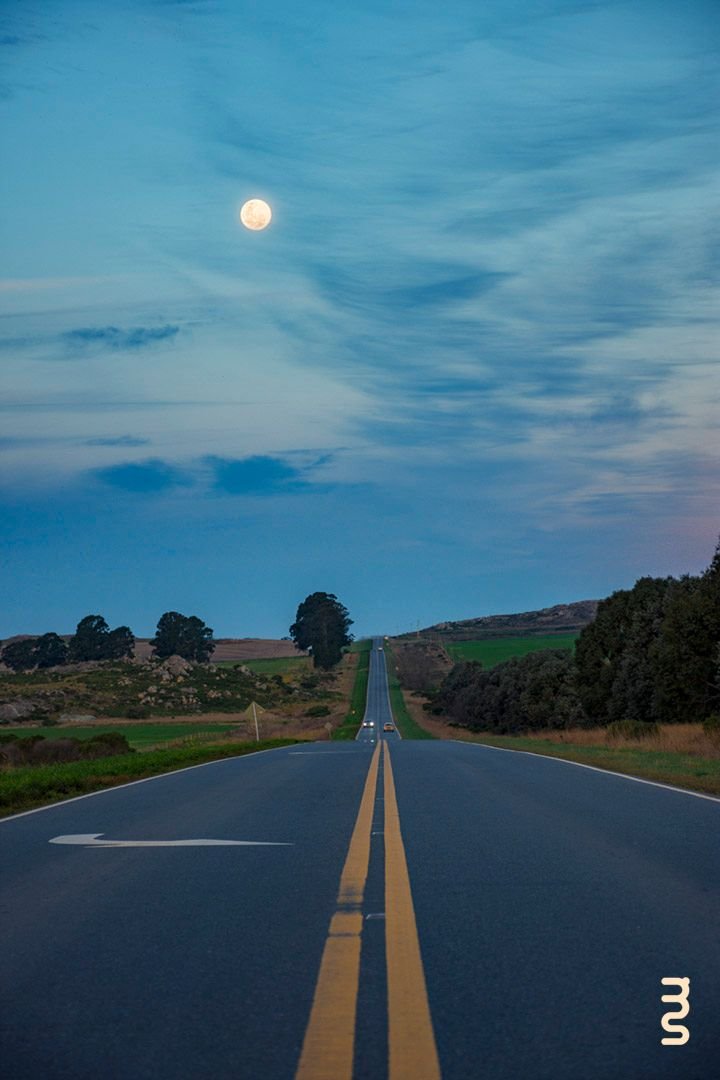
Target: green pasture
[[496, 650], [140, 736]]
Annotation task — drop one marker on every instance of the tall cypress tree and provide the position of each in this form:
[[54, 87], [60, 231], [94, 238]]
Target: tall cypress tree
[[321, 625]]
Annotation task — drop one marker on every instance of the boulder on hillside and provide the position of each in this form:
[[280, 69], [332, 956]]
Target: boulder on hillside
[[16, 710], [175, 666]]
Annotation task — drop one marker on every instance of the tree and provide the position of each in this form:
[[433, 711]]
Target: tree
[[20, 655], [50, 651], [94, 640], [525, 693], [686, 653], [89, 640], [183, 635], [119, 642], [321, 625]]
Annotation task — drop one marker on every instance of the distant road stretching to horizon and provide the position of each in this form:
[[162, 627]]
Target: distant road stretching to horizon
[[396, 909]]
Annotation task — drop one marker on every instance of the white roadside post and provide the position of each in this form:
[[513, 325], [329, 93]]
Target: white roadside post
[[257, 732]]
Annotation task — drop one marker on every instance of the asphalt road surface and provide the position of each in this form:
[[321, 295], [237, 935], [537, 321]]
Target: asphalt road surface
[[430, 909], [377, 708]]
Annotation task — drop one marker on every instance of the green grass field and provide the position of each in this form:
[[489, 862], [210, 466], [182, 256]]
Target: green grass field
[[140, 736], [683, 770], [495, 650], [348, 728], [37, 785]]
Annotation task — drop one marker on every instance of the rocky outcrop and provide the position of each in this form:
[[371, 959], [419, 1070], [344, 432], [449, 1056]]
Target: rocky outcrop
[[16, 710], [173, 668], [560, 619]]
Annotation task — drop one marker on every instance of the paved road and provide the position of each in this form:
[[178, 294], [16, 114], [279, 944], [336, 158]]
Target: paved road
[[377, 708], [548, 901]]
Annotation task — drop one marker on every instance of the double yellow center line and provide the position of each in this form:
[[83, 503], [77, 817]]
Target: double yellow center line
[[328, 1048]]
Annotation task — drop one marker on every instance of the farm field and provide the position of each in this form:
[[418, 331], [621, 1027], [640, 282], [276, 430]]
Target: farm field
[[275, 665], [496, 650], [140, 736]]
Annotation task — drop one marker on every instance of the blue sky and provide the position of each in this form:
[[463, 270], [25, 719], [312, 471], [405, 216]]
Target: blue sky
[[472, 365]]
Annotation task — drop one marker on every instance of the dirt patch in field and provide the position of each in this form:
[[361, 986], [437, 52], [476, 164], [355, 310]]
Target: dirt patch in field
[[235, 649], [421, 665], [435, 725]]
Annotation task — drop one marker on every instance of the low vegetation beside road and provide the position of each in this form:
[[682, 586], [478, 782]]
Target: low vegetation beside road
[[139, 735], [696, 768], [405, 722], [359, 656], [37, 785]]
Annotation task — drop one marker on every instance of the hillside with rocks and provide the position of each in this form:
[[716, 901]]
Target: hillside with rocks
[[560, 619], [135, 689]]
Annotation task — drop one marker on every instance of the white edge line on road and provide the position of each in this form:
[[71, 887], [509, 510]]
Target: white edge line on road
[[131, 783], [582, 765]]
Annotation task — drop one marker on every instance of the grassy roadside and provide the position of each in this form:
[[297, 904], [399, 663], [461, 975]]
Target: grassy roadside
[[681, 770], [38, 785], [349, 727], [140, 736], [405, 723]]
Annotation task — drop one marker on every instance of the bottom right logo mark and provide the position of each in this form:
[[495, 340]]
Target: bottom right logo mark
[[679, 1032]]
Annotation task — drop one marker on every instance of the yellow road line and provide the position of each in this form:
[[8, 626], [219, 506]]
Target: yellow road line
[[327, 1052], [411, 1042]]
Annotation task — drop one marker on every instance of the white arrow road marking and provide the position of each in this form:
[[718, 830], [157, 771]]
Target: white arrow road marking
[[91, 840]]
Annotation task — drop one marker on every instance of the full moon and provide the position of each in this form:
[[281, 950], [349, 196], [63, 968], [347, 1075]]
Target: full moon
[[255, 214]]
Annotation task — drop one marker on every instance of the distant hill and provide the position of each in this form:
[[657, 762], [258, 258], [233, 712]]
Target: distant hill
[[560, 619]]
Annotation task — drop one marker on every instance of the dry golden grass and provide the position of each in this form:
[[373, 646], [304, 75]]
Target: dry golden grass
[[673, 738]]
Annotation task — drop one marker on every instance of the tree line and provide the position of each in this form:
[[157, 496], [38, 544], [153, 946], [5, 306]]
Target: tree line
[[176, 634], [651, 655], [321, 627]]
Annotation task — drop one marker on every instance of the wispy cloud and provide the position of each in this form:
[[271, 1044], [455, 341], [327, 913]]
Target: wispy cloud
[[256, 476], [40, 284], [117, 440], [145, 477], [111, 337]]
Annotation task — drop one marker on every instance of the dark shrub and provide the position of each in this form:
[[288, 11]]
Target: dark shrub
[[137, 712], [106, 744], [318, 710], [52, 750]]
